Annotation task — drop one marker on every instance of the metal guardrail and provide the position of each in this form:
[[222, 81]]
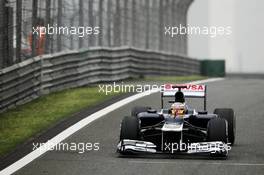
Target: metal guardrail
[[40, 75]]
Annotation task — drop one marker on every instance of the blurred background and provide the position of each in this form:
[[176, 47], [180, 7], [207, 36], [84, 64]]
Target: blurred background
[[139, 24], [242, 50]]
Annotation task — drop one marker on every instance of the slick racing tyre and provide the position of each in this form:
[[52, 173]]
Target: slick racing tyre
[[229, 116], [129, 128], [217, 130]]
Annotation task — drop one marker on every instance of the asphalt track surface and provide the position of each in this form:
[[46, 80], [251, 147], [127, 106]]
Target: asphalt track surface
[[245, 96]]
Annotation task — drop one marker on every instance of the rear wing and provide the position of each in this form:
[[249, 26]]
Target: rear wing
[[189, 91]]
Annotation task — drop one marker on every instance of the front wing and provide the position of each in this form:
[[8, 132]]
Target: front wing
[[138, 146]]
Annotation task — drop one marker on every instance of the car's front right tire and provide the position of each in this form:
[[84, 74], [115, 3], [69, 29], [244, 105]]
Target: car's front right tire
[[129, 128]]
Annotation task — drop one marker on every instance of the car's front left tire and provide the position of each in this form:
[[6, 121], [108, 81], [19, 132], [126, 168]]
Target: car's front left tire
[[217, 131]]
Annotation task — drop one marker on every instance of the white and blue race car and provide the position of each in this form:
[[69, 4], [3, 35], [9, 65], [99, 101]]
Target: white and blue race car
[[179, 128]]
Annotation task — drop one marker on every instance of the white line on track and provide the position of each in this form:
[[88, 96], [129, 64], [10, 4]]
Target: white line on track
[[198, 163], [79, 125]]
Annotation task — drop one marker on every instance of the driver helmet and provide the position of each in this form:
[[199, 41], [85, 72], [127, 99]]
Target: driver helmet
[[178, 109]]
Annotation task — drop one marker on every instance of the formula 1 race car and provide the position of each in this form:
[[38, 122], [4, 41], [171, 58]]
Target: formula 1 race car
[[178, 128]]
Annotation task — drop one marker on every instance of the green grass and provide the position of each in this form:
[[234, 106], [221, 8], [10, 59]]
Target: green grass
[[171, 79], [23, 122]]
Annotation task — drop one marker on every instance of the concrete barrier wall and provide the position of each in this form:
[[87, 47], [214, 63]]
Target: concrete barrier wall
[[34, 77]]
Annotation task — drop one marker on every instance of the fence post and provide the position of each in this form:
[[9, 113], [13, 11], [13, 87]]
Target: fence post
[[147, 18], [59, 22], [133, 23], [80, 21], [18, 29], [10, 58], [100, 16], [2, 34], [124, 32], [47, 22], [91, 22], [109, 19], [161, 25], [34, 24], [117, 24]]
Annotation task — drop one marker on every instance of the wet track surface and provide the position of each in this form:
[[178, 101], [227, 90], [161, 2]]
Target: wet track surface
[[246, 97]]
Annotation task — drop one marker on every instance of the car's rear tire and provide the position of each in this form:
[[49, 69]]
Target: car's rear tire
[[138, 109], [229, 116], [129, 128]]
